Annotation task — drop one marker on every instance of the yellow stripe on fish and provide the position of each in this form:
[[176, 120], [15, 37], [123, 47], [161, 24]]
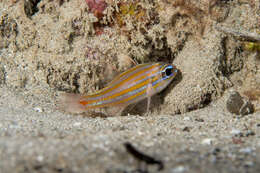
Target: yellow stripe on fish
[[131, 86], [123, 78]]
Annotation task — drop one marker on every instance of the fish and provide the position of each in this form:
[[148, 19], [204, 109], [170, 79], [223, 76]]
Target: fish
[[135, 84]]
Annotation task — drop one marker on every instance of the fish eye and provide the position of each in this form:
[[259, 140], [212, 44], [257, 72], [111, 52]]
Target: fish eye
[[167, 72]]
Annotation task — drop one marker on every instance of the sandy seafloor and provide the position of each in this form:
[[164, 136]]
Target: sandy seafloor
[[37, 139], [47, 47]]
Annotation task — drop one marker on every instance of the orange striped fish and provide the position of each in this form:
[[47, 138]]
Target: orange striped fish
[[133, 85]]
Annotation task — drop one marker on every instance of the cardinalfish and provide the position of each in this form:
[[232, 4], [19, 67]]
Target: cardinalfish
[[131, 86]]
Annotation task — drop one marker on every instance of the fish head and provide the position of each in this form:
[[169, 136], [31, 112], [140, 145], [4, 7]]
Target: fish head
[[167, 72]]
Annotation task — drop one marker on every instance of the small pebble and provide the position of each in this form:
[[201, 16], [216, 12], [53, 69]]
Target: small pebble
[[216, 151], [236, 132], [179, 169], [250, 133], [186, 119], [186, 129], [207, 141], [237, 140], [38, 109], [246, 150], [249, 164], [14, 125], [238, 105], [40, 158], [199, 120], [77, 124]]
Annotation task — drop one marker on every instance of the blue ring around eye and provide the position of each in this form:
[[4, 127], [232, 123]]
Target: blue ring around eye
[[168, 67], [164, 71]]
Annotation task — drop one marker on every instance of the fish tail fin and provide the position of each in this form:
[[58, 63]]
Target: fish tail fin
[[71, 103]]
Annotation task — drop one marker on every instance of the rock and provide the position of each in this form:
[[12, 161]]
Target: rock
[[207, 141], [246, 150], [238, 105], [186, 129], [38, 109], [215, 151], [250, 133], [40, 158], [249, 164], [179, 169], [198, 83], [77, 124], [186, 119], [236, 132]]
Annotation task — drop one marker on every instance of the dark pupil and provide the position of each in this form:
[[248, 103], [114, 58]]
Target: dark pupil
[[168, 71]]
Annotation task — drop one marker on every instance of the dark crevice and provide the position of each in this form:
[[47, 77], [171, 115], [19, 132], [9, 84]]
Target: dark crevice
[[164, 54], [38, 167], [205, 101], [75, 83], [30, 7], [70, 80], [223, 60], [231, 52], [3, 77]]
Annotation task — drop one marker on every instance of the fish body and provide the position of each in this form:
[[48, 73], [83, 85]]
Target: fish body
[[131, 86]]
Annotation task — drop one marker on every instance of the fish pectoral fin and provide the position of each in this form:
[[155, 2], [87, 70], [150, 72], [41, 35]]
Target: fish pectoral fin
[[150, 91]]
